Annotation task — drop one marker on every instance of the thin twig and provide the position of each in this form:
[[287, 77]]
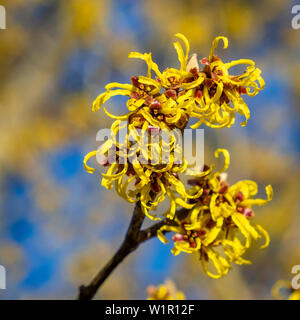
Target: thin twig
[[134, 237]]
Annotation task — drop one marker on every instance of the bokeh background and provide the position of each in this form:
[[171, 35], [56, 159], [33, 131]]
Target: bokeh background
[[57, 224]]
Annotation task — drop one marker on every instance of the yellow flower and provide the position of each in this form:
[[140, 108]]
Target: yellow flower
[[173, 96], [219, 96], [164, 101], [222, 213], [138, 178], [166, 291], [282, 286]]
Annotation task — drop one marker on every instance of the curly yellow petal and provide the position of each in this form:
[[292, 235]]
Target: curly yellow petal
[[265, 234], [259, 202], [215, 44], [86, 159], [226, 155]]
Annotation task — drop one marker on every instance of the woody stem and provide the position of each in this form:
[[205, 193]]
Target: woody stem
[[133, 238]]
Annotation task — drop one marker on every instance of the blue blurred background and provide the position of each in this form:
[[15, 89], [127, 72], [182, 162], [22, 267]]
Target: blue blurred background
[[57, 224]]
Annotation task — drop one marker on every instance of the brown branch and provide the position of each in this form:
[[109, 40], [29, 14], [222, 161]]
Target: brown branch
[[129, 244], [134, 237]]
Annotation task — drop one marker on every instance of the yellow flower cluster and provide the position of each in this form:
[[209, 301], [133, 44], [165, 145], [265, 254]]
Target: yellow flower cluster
[[166, 291], [137, 180], [215, 217], [211, 94], [167, 102], [221, 216]]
